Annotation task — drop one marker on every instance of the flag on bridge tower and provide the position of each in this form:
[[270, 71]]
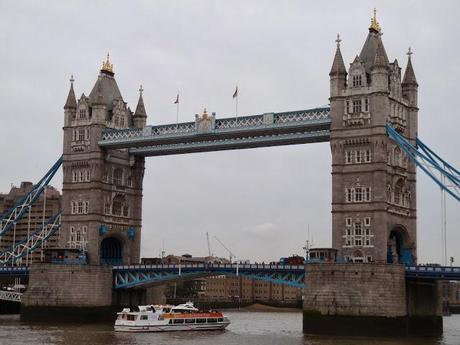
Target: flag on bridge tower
[[235, 94], [235, 97], [176, 102]]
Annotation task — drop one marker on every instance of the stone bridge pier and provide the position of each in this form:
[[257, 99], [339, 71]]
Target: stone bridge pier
[[80, 293], [369, 300]]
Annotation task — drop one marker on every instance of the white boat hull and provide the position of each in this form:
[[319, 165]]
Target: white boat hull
[[171, 328]]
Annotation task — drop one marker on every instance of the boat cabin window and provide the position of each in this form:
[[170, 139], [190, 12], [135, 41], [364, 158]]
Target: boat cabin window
[[212, 320], [144, 317], [178, 320], [130, 317], [200, 320], [170, 321], [189, 320], [182, 311], [220, 319]]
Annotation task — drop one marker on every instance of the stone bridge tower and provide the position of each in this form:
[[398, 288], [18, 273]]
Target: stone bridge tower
[[102, 189], [373, 181]]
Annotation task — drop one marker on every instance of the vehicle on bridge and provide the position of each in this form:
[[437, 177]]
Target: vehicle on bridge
[[158, 318]]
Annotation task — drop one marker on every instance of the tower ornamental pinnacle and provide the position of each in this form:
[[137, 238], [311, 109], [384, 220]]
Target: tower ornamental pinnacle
[[338, 40], [374, 23], [106, 65]]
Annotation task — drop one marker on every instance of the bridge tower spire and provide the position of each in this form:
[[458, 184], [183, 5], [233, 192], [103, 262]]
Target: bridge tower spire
[[140, 116], [373, 182], [70, 106], [338, 73]]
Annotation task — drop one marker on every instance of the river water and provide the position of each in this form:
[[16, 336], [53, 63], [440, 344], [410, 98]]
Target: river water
[[247, 328]]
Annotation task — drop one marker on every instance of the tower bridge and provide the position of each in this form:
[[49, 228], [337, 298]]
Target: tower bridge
[[371, 125]]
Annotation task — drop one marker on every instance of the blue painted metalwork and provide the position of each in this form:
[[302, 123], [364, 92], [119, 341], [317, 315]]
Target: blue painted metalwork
[[103, 230], [10, 271], [429, 162], [35, 240], [270, 129], [140, 275], [134, 276], [131, 233], [433, 272], [14, 214]]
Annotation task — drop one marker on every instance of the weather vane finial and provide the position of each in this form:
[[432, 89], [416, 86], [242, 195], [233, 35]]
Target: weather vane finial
[[106, 65], [409, 53], [338, 40], [374, 23]]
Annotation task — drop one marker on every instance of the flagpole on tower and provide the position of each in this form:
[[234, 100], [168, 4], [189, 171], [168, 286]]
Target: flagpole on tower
[[177, 108], [235, 96]]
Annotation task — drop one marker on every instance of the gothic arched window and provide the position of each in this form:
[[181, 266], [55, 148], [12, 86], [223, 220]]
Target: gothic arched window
[[388, 193], [118, 177], [397, 157], [117, 205]]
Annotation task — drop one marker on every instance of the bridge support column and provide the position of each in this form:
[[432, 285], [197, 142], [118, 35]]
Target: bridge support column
[[367, 300], [68, 292], [424, 306]]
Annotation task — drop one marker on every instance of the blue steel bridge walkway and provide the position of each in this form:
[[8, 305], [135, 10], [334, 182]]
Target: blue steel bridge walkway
[[207, 133], [134, 276], [143, 275]]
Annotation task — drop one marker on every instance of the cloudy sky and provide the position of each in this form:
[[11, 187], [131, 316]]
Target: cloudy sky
[[259, 202]]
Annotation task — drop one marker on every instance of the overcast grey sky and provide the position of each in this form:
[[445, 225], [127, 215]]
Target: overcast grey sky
[[260, 201]]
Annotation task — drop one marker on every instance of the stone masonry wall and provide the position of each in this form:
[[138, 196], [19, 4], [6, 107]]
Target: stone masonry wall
[[68, 286], [355, 289]]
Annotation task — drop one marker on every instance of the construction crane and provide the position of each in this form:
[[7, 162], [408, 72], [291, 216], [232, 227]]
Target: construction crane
[[209, 244], [228, 250]]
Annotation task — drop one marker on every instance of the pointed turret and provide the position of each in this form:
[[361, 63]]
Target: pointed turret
[[71, 102], [338, 73], [338, 66], [140, 115], [372, 45], [409, 84], [380, 69], [70, 107], [105, 90], [381, 58], [409, 75]]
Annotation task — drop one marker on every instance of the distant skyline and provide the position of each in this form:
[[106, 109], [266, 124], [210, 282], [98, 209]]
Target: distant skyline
[[258, 202]]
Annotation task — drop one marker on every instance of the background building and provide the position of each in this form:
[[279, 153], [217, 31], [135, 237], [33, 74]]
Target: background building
[[243, 289], [47, 205], [226, 288]]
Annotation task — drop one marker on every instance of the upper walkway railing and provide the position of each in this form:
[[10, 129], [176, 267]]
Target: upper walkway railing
[[208, 133], [11, 296]]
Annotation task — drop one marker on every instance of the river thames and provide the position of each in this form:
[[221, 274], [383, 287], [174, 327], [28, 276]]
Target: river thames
[[247, 328]]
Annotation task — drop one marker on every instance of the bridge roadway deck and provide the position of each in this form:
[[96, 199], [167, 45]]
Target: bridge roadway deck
[[140, 275], [293, 275], [269, 129]]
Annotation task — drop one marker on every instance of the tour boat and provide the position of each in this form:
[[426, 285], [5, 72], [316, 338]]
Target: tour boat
[[163, 318]]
